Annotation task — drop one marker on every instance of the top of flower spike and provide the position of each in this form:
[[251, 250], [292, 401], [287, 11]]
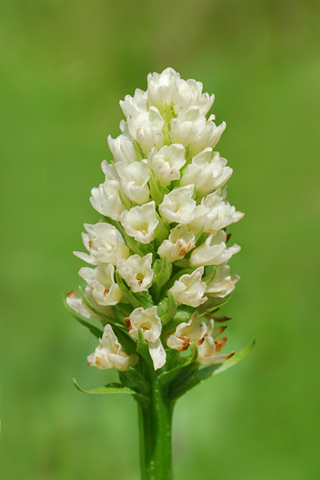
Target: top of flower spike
[[168, 90], [164, 193]]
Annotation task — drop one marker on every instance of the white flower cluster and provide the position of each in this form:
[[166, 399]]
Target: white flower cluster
[[163, 200]]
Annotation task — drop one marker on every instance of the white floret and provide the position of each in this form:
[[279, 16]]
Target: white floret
[[178, 206], [150, 324], [223, 283], [161, 87], [137, 272], [109, 352], [214, 251], [189, 289], [104, 244], [134, 106], [146, 129], [101, 281], [134, 180], [167, 162], [140, 222], [179, 243], [208, 171]]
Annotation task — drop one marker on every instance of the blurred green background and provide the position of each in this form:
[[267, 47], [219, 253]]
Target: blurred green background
[[64, 67]]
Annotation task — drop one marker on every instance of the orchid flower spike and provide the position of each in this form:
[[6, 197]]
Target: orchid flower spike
[[159, 254]]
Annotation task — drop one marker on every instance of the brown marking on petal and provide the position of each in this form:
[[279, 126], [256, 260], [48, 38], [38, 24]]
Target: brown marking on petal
[[70, 294], [220, 343], [221, 319], [97, 361], [185, 344], [185, 249], [116, 350], [231, 354], [105, 293], [90, 243], [200, 342], [128, 323], [143, 327], [139, 280], [228, 237], [144, 233]]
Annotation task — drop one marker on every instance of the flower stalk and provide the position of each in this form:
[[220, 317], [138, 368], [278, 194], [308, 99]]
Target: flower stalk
[[158, 258], [155, 425]]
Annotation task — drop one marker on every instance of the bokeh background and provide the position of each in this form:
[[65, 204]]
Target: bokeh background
[[64, 67]]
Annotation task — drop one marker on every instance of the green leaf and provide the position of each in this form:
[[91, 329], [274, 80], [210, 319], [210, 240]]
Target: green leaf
[[97, 332], [138, 151], [113, 388], [124, 200], [140, 299], [137, 247], [157, 190], [178, 370], [167, 308], [162, 271], [133, 379], [127, 341], [121, 311], [145, 299], [162, 231], [198, 236], [208, 278], [200, 374], [127, 293], [142, 348]]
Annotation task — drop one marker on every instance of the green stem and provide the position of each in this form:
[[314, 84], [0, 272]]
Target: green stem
[[155, 425]]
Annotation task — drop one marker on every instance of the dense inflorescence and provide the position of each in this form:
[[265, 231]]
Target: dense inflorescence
[[158, 257]]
